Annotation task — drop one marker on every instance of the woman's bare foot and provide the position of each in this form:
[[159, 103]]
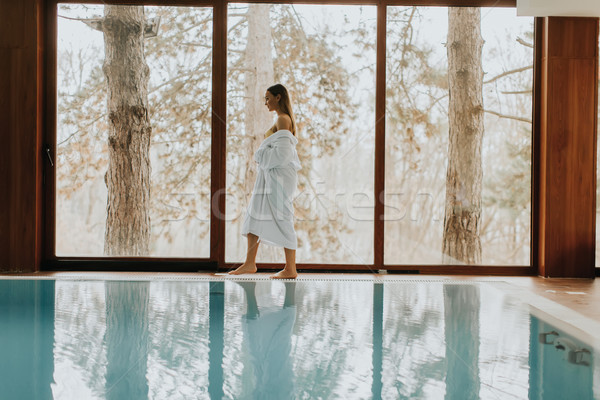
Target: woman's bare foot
[[245, 268], [285, 274]]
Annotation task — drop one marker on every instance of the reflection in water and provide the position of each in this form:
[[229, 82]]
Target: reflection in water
[[80, 348], [377, 339], [179, 332], [461, 319], [26, 339], [413, 342], [180, 340], [216, 328], [332, 340], [268, 335], [127, 340]]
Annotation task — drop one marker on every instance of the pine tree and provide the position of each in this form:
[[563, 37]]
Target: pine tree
[[128, 175], [461, 241]]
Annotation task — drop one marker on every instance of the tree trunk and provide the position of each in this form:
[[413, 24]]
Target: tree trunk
[[259, 75], [461, 241], [128, 176]]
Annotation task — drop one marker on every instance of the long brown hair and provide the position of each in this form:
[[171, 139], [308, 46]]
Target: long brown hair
[[285, 103]]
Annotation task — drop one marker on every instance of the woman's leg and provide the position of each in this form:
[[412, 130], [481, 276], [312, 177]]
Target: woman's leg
[[249, 266], [289, 271]]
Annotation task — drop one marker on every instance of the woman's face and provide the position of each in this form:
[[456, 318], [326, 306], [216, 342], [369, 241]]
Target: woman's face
[[272, 102]]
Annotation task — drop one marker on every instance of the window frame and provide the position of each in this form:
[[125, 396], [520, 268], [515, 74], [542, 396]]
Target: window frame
[[216, 260]]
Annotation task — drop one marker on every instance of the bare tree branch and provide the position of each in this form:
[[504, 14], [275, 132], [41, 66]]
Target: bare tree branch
[[151, 25], [79, 19], [524, 43], [81, 129], [199, 23], [512, 71], [508, 116], [177, 77], [196, 44], [240, 22], [526, 91], [94, 23]]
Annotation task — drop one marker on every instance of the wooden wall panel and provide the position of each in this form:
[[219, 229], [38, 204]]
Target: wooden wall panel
[[568, 136], [14, 27], [20, 121], [5, 171], [572, 37]]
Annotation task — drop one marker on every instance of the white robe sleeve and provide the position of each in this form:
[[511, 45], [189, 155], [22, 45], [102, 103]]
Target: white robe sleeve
[[277, 154], [258, 154]]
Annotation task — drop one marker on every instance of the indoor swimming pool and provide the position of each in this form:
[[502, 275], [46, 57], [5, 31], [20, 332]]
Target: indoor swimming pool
[[253, 338]]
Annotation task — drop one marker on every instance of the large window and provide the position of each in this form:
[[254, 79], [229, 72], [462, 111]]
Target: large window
[[136, 115], [485, 183], [325, 56], [156, 150]]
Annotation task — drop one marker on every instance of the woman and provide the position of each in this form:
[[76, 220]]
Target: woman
[[270, 214]]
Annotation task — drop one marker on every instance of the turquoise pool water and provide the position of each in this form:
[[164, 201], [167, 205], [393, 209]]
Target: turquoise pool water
[[246, 339]]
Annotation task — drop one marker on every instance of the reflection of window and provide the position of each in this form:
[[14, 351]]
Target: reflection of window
[[177, 51], [417, 132], [165, 348], [325, 56]]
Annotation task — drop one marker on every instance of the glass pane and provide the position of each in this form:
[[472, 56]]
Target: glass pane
[[417, 142], [160, 209], [325, 56]]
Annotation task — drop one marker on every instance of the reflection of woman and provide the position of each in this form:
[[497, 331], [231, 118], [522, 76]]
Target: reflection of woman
[[270, 214], [268, 333]]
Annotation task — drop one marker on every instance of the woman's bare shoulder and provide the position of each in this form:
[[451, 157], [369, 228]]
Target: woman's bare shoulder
[[283, 122]]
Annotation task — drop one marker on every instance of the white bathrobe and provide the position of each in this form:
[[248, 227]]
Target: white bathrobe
[[270, 214]]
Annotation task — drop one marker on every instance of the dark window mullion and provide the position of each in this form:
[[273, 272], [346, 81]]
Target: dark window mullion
[[219, 131], [378, 242]]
